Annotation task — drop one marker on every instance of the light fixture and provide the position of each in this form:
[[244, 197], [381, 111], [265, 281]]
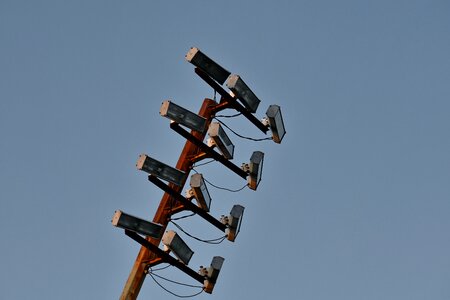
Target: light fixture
[[199, 191], [126, 221], [154, 167], [233, 222], [211, 273], [254, 169], [219, 138], [182, 116], [207, 65], [175, 244], [274, 121], [243, 92]]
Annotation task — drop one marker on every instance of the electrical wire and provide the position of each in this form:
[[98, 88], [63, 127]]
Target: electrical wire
[[205, 163], [159, 269], [241, 136], [176, 282], [172, 293], [183, 217], [225, 189], [219, 187], [229, 116], [212, 241]]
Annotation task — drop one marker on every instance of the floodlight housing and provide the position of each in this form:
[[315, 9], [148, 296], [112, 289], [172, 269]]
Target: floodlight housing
[[207, 65], [211, 273], [276, 123], [174, 242], [221, 140], [126, 221], [243, 92], [255, 169], [182, 116], [199, 191], [233, 222], [154, 167]]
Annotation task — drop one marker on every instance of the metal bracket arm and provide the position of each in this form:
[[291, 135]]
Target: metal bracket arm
[[176, 127], [231, 100], [188, 204], [165, 256]]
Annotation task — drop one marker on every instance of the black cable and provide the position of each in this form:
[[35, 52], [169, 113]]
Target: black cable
[[183, 217], [225, 189], [212, 241], [205, 163], [176, 282], [172, 293], [159, 269], [219, 187], [241, 136], [230, 116]]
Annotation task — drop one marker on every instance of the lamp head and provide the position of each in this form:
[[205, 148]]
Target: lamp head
[[276, 123], [207, 65], [154, 167], [200, 192], [221, 140], [211, 273], [243, 92], [126, 221], [182, 116], [233, 222], [255, 169], [174, 242]]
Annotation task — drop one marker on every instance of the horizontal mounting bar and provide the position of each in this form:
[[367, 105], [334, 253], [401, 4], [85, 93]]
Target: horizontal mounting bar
[[176, 127], [231, 100], [189, 205], [165, 256]]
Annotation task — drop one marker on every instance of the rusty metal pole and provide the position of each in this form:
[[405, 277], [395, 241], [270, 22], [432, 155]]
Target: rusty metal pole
[[138, 272]]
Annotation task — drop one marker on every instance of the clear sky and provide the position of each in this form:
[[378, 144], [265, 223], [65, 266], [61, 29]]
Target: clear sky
[[354, 204]]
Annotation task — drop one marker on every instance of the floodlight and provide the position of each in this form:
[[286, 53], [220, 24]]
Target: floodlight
[[211, 273], [199, 191], [243, 92], [274, 120], [233, 221], [221, 140], [182, 116], [254, 169], [126, 221], [174, 242], [154, 167], [207, 65]]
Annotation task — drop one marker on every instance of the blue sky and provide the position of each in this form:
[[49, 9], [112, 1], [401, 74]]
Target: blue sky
[[354, 203]]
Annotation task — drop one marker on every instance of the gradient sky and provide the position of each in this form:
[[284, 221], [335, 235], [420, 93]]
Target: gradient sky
[[353, 205]]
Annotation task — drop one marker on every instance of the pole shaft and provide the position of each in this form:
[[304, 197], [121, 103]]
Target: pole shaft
[[137, 274]]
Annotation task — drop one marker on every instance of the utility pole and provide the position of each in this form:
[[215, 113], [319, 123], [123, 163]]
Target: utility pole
[[145, 258], [241, 99]]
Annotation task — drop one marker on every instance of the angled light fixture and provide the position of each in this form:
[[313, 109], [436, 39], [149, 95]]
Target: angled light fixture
[[175, 244], [219, 138], [254, 169], [243, 92], [199, 191], [154, 167], [182, 116], [233, 222], [126, 221], [207, 65], [211, 273], [274, 120]]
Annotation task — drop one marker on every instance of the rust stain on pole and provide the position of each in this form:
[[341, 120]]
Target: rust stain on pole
[[137, 274]]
